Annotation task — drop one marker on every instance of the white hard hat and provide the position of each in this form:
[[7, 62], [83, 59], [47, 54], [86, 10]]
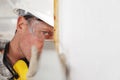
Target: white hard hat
[[42, 9]]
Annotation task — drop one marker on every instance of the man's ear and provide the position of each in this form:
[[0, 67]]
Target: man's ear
[[21, 23]]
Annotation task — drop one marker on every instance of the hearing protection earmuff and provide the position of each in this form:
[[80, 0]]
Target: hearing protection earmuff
[[19, 69]]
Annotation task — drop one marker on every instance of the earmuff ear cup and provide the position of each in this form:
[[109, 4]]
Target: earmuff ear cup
[[21, 68]]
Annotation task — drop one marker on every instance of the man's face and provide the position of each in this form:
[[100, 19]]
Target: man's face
[[34, 34]]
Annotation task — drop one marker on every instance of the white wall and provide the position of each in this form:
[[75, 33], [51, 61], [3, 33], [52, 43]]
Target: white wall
[[90, 32], [8, 19]]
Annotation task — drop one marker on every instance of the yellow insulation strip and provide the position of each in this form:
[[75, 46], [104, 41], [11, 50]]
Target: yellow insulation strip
[[56, 25], [56, 34]]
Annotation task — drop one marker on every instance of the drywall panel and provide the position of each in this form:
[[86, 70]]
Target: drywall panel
[[90, 33]]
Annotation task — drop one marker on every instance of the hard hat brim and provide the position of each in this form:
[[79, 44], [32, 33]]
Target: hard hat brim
[[46, 18]]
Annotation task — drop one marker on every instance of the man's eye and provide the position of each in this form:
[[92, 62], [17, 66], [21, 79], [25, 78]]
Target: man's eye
[[45, 32]]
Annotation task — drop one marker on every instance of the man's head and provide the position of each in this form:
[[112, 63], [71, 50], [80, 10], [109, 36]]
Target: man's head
[[35, 24], [32, 31]]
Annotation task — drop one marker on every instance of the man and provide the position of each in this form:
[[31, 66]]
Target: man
[[34, 25]]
